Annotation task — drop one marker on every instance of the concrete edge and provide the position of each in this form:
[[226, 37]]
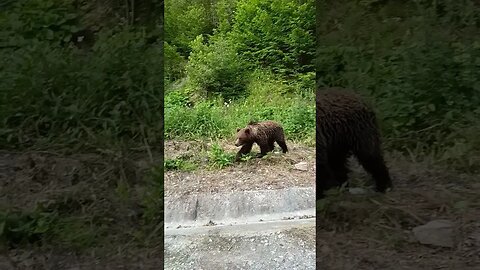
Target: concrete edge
[[245, 229], [235, 205]]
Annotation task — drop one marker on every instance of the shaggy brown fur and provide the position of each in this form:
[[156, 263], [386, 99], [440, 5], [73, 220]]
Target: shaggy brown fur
[[346, 125], [265, 134]]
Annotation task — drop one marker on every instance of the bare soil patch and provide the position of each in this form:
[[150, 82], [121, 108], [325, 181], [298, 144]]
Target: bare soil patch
[[375, 232], [97, 200], [275, 171]]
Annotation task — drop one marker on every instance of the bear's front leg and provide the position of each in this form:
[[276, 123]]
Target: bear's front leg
[[264, 148], [246, 148]]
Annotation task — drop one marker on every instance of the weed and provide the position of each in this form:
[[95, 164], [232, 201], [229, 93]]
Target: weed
[[180, 163], [152, 199], [122, 189], [18, 228], [218, 158], [77, 232], [247, 157]]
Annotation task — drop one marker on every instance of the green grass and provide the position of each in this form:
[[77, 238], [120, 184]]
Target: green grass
[[269, 98], [19, 228], [180, 163], [51, 95], [219, 158]]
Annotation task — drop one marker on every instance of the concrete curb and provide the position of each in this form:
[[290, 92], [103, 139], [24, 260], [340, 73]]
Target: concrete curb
[[245, 229], [239, 207]]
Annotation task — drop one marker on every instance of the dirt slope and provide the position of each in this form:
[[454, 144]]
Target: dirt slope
[[353, 232]]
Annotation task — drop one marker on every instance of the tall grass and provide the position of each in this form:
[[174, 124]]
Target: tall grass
[[268, 99], [52, 94]]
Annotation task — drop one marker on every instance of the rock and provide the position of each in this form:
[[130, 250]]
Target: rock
[[302, 166], [210, 223], [436, 233]]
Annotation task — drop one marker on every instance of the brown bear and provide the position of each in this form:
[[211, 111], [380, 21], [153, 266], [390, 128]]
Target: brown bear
[[346, 125], [265, 134]]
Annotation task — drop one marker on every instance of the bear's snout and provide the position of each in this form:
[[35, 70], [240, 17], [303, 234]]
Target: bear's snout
[[238, 143]]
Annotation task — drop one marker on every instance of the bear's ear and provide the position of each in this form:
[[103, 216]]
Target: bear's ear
[[238, 129], [247, 131]]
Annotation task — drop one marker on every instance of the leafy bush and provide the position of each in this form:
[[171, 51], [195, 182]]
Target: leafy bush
[[174, 63], [278, 34], [299, 121], [54, 92], [216, 68], [185, 20], [205, 119], [54, 21]]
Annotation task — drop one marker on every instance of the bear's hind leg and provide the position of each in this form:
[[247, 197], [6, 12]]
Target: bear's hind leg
[[339, 165], [280, 139], [374, 164], [283, 145], [271, 145], [325, 178]]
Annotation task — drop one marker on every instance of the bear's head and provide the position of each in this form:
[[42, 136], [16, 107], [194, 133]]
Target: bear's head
[[243, 136]]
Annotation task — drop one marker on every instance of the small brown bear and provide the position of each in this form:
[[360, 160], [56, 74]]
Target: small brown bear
[[346, 125], [265, 134]]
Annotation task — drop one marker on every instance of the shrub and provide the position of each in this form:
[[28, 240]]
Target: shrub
[[62, 93], [174, 63], [53, 21], [216, 68], [276, 34], [218, 158]]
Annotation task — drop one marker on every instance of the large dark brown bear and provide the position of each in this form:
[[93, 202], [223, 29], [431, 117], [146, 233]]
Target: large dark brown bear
[[346, 125], [265, 134]]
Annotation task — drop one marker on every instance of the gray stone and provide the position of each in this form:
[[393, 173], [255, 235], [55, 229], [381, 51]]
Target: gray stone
[[436, 233], [301, 166]]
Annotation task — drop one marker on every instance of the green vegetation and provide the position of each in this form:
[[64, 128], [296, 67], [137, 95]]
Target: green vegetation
[[215, 118], [82, 77], [418, 61], [219, 158], [20, 228], [234, 61], [181, 163], [65, 82]]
